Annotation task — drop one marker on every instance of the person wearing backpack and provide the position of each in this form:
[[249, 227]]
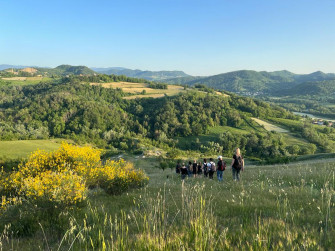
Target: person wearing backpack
[[204, 167], [183, 171], [189, 166], [199, 169], [221, 168], [194, 168], [211, 168], [237, 164], [178, 167]]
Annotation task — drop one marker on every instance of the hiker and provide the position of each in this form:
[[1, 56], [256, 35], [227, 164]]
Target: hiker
[[211, 168], [178, 167], [221, 168], [183, 171], [194, 168], [237, 164], [199, 169], [189, 166], [204, 167]]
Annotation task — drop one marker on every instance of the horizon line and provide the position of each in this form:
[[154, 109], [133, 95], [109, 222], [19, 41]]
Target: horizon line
[[109, 67]]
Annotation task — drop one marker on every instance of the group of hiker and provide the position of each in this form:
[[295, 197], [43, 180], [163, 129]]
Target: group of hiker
[[208, 168]]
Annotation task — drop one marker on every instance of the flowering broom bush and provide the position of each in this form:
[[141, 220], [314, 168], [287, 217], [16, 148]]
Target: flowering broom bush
[[65, 175], [116, 176]]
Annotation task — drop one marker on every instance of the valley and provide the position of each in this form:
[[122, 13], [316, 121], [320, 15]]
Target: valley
[[84, 124], [167, 125], [180, 119]]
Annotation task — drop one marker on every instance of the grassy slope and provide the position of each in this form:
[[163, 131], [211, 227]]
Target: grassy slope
[[280, 205], [137, 88], [22, 148], [214, 133], [270, 127], [267, 196], [26, 80]]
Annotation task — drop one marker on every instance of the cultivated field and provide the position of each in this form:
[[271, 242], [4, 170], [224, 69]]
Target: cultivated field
[[137, 88], [270, 127], [26, 80], [15, 78]]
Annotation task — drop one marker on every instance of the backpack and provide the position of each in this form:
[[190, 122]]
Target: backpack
[[221, 165], [209, 166], [212, 166], [239, 162], [205, 167], [178, 167]]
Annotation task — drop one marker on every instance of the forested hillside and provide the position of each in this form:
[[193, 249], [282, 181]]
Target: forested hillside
[[66, 70], [316, 98], [326, 87], [252, 81], [71, 108]]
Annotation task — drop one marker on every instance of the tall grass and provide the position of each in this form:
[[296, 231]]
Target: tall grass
[[151, 225], [283, 207]]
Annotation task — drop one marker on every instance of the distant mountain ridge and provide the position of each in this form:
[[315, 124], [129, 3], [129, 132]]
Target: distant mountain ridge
[[59, 70], [8, 66], [149, 75], [245, 81]]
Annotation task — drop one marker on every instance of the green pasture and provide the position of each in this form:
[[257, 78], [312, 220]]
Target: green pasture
[[213, 134], [291, 139], [18, 149], [27, 81]]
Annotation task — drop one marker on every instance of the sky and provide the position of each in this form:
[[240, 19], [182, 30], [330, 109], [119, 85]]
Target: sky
[[199, 37]]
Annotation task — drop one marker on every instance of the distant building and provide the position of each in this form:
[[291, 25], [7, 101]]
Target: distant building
[[11, 70], [320, 122]]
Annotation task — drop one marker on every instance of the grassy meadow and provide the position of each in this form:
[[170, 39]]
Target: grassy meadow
[[136, 89], [280, 207], [25, 80], [17, 149]]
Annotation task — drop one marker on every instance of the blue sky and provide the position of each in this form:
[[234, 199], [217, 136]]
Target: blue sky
[[198, 37]]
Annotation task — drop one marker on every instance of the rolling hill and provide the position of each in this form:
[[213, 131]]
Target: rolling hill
[[71, 108], [325, 87], [149, 75], [245, 81], [67, 70], [8, 66], [61, 70]]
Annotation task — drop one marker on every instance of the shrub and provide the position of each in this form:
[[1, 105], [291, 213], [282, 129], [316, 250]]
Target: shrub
[[116, 176], [62, 177], [60, 187]]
